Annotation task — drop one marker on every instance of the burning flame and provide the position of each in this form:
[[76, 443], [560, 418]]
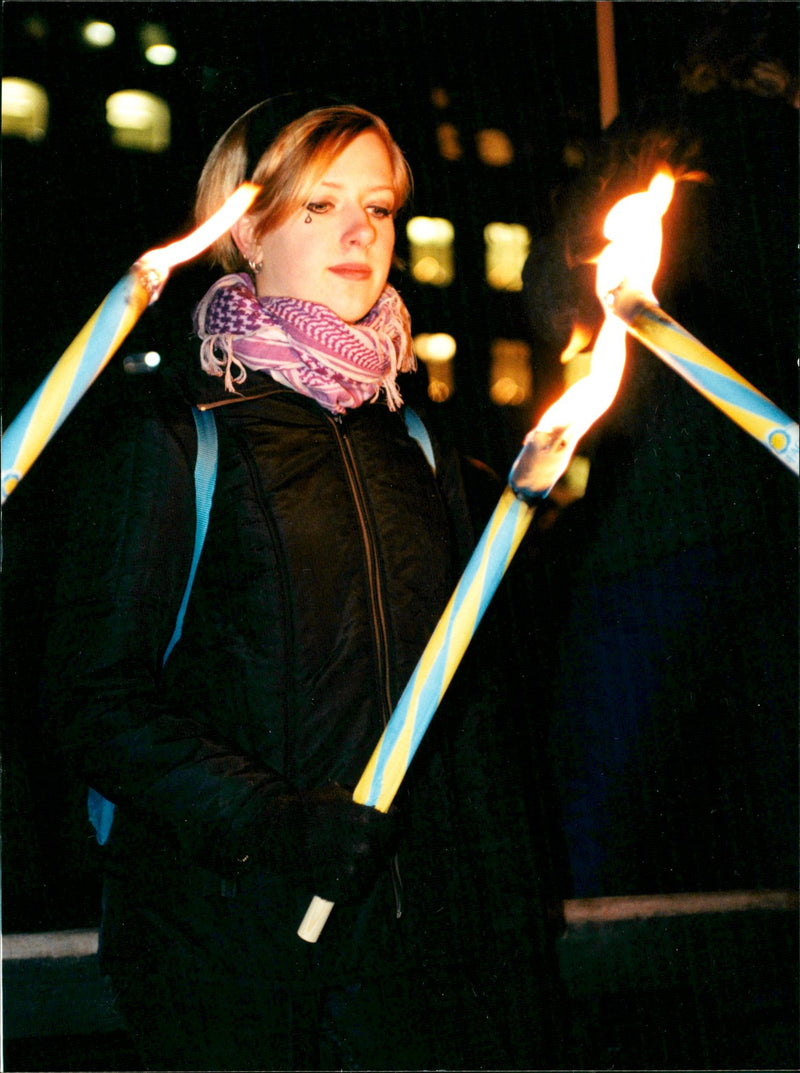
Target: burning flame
[[633, 228], [161, 260]]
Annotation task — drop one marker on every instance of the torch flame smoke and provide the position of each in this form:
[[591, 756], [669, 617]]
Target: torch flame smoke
[[633, 228]]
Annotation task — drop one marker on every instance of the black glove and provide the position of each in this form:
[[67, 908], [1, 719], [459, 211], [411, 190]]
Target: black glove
[[346, 845], [326, 841]]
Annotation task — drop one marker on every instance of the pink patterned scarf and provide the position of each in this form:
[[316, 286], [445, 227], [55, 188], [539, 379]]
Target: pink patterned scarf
[[304, 345]]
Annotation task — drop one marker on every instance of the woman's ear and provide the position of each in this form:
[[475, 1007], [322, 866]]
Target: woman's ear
[[243, 234]]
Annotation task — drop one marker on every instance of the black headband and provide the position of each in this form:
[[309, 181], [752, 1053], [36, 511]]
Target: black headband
[[264, 122]]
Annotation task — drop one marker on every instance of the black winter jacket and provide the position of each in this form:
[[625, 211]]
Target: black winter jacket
[[331, 552]]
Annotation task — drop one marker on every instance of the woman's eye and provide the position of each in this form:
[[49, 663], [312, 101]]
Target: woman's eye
[[380, 212]]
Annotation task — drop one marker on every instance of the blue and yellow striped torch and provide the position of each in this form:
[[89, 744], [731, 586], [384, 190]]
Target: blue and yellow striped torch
[[98, 340], [625, 272], [419, 701], [712, 377]]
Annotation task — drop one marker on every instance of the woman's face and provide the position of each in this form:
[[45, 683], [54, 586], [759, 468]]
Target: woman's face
[[337, 249]]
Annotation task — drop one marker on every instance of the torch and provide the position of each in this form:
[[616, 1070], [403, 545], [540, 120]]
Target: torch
[[89, 352], [627, 294], [545, 455]]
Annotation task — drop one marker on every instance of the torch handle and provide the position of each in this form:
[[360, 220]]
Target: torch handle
[[316, 918], [708, 374]]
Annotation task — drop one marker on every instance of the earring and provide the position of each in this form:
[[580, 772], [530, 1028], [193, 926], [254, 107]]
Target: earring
[[255, 265], [307, 219]]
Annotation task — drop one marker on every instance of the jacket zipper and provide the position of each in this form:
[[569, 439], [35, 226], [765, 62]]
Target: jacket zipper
[[378, 615]]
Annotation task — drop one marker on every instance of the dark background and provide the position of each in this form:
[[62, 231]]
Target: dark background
[[707, 802]]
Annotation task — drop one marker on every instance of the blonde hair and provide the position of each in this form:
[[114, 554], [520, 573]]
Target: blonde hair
[[287, 168]]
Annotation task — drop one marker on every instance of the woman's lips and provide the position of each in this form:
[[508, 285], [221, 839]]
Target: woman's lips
[[351, 271]]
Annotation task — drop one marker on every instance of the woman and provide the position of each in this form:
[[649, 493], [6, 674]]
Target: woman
[[331, 551]]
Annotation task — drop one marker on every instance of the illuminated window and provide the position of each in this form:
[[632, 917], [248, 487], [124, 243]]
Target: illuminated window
[[449, 141], [138, 120], [437, 352], [158, 49], [431, 248], [511, 381], [138, 364], [99, 34], [161, 55], [25, 110], [507, 247], [440, 98], [494, 147]]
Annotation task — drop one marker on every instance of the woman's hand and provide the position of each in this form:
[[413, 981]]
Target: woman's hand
[[346, 845]]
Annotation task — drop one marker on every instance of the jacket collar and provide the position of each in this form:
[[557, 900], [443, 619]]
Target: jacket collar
[[208, 392]]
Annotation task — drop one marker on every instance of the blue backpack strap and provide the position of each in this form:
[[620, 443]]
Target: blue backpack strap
[[101, 815], [205, 478], [101, 811], [417, 431]]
